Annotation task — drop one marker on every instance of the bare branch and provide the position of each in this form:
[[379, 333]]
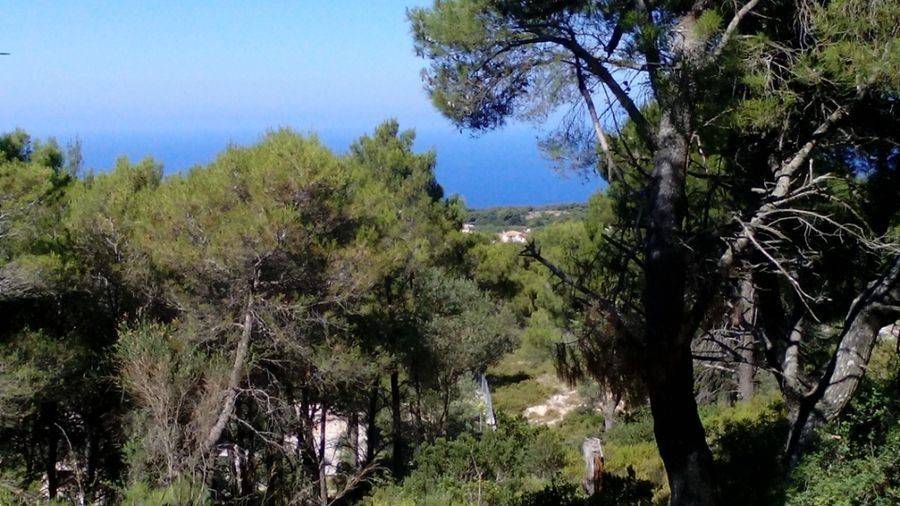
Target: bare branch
[[607, 306], [532, 251], [630, 253], [732, 27], [783, 178], [595, 119], [596, 67], [803, 295], [215, 432]]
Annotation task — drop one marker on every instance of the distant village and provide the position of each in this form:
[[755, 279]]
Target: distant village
[[515, 224], [511, 236]]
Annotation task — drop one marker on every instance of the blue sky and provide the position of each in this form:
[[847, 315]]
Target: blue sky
[[180, 79]]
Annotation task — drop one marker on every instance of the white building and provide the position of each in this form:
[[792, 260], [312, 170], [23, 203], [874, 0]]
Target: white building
[[514, 236]]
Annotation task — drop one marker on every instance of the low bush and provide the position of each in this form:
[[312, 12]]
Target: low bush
[[180, 493], [494, 467]]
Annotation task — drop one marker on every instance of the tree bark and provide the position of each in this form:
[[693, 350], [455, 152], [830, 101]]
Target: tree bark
[[791, 386], [52, 451], [353, 437], [417, 386], [234, 380], [746, 373], [371, 426], [306, 441], [669, 370], [679, 433], [396, 427], [93, 450], [608, 407], [610, 172], [323, 461], [874, 309], [592, 452], [743, 321]]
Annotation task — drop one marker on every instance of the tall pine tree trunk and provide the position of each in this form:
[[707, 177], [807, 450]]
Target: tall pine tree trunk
[[746, 373], [608, 408], [323, 460], [371, 426], [52, 452], [92, 425], [353, 437], [396, 427], [743, 321], [669, 370]]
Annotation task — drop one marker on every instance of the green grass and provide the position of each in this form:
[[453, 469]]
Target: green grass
[[518, 383], [515, 397]]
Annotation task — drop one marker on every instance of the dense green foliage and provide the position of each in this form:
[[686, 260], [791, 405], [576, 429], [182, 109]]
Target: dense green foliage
[[162, 322], [515, 465], [132, 291], [287, 325], [743, 143]]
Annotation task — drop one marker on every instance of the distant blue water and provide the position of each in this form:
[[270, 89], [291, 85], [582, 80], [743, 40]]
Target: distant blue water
[[499, 168]]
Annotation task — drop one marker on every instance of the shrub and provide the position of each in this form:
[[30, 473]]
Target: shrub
[[617, 490], [182, 492], [495, 467], [747, 442]]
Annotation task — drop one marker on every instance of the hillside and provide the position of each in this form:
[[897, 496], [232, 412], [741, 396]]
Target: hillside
[[495, 219]]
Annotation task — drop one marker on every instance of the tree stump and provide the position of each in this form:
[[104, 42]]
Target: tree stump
[[592, 451]]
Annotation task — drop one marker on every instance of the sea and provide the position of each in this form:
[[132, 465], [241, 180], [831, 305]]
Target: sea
[[501, 168]]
